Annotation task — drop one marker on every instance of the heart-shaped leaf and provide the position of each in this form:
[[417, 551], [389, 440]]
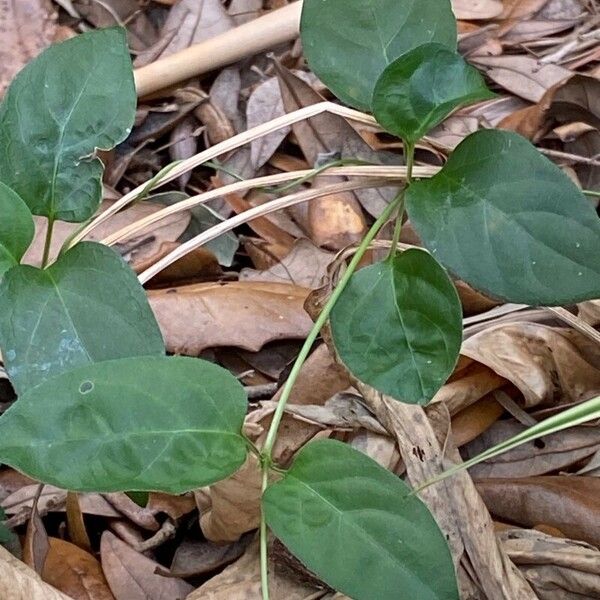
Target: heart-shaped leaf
[[348, 43], [87, 307], [72, 99], [168, 424], [509, 222], [421, 88], [16, 228], [355, 525], [398, 326]]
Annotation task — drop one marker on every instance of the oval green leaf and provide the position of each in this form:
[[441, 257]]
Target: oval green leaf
[[167, 424], [398, 326], [74, 98], [348, 43], [16, 228], [87, 307], [344, 516], [509, 222], [421, 88]]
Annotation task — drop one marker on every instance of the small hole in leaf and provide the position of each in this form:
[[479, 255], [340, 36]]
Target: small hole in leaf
[[539, 444], [86, 387]]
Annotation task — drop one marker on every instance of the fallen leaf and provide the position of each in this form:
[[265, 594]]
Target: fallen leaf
[[569, 503], [242, 11], [193, 558], [26, 28], [19, 582], [522, 75], [557, 569], [36, 544], [471, 422], [76, 523], [587, 145], [574, 100], [241, 581], [549, 365], [174, 506], [305, 265], [552, 454], [471, 10], [75, 572], [242, 314], [132, 576], [521, 9]]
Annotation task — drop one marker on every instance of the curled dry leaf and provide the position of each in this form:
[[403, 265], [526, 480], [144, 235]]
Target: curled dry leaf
[[470, 10], [305, 265], [132, 576], [557, 569], [576, 100], [553, 453], [242, 314], [522, 75], [549, 365], [19, 582], [26, 28], [569, 503], [455, 503], [241, 581], [75, 572]]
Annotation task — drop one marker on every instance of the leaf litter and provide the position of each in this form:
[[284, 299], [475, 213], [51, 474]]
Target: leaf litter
[[524, 526]]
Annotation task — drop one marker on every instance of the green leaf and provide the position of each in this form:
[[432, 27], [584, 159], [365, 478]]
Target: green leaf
[[74, 98], [355, 525], [348, 43], [85, 308], [398, 326], [509, 222], [421, 88], [168, 424], [16, 228]]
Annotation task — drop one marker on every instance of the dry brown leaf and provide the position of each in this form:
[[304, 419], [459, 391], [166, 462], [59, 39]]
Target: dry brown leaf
[[242, 11], [26, 28], [483, 567], [19, 582], [193, 21], [549, 365], [522, 75], [193, 558], [305, 265], [329, 134], [36, 544], [569, 503], [241, 581], [131, 575], [521, 9], [242, 314], [471, 422], [557, 569], [75, 522], [575, 100], [471, 10], [75, 572], [174, 506], [231, 507], [553, 453], [586, 145]]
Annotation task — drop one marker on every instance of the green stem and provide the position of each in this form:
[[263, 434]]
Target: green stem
[[409, 151], [48, 242], [591, 193], [267, 449]]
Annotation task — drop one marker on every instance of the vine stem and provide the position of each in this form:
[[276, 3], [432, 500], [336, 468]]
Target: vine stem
[[409, 150], [267, 450], [48, 242]]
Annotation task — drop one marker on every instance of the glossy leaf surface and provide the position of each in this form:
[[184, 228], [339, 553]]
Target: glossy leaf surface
[[421, 88], [87, 307], [348, 43], [509, 222], [72, 99], [354, 525], [16, 228], [398, 326], [169, 424]]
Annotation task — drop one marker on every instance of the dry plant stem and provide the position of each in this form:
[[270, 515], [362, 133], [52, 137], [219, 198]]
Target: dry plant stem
[[253, 213], [374, 171], [224, 147], [47, 242], [576, 323], [276, 27], [267, 450]]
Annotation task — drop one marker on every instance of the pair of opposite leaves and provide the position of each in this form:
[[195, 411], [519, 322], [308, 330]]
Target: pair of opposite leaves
[[498, 215]]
